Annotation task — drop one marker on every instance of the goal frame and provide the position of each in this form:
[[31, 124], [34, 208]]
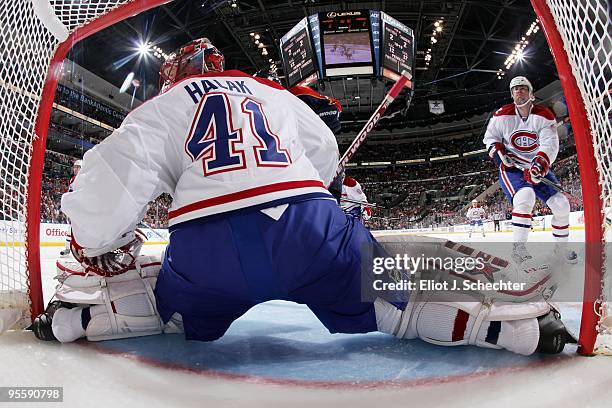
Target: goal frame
[[41, 127], [593, 204], [589, 180]]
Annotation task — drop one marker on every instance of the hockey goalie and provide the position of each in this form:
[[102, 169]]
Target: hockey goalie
[[248, 165], [102, 305]]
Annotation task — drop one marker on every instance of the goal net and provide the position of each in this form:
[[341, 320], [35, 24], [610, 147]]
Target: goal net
[[35, 36]]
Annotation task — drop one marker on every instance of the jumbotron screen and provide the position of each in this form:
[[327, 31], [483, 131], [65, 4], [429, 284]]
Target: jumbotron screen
[[347, 43], [347, 48], [297, 55]]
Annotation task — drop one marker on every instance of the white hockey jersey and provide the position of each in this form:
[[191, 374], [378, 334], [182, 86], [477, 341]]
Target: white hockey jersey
[[475, 214], [351, 190], [524, 139], [216, 142]]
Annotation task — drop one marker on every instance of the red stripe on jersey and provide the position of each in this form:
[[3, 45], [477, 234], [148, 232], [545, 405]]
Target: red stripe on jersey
[[515, 157], [506, 181], [544, 155], [515, 214], [241, 195], [460, 324], [560, 226]]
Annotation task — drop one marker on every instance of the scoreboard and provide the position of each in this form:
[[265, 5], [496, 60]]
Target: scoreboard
[[397, 47], [346, 43], [297, 55]]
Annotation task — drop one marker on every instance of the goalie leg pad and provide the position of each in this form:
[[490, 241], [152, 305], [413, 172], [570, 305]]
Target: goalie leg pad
[[121, 306], [128, 311], [474, 321], [535, 278]]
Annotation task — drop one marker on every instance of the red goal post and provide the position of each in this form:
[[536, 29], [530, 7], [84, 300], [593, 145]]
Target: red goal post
[[35, 37], [578, 34]]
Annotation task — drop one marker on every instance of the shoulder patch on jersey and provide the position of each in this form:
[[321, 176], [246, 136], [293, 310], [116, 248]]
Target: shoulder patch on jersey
[[505, 110], [349, 181], [543, 111]]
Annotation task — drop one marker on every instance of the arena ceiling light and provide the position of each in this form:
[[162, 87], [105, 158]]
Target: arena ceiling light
[[159, 53], [518, 52], [435, 34], [144, 48]]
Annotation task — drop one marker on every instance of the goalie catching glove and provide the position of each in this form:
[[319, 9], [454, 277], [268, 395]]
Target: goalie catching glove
[[113, 259]]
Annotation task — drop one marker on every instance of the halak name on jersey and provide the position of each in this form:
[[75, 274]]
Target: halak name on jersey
[[197, 88]]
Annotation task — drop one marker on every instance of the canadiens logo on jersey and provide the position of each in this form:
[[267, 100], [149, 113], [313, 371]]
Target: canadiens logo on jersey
[[524, 141]]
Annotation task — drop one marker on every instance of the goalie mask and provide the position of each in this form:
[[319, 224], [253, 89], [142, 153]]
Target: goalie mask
[[195, 58]]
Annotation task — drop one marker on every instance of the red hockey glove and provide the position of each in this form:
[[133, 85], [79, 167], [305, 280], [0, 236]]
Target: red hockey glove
[[497, 153], [530, 178], [366, 213], [540, 165]]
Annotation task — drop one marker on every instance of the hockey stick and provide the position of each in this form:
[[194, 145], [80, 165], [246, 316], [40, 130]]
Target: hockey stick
[[367, 128], [546, 181], [363, 203]]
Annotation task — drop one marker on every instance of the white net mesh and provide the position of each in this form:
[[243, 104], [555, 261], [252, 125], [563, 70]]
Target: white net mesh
[[26, 48], [585, 27]]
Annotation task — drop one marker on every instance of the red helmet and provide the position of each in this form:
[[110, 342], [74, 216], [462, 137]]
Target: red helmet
[[194, 58]]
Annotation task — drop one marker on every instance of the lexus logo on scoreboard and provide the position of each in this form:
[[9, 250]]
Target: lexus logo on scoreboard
[[334, 14]]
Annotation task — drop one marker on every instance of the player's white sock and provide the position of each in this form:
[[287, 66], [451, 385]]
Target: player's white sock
[[560, 232], [560, 220], [521, 224]]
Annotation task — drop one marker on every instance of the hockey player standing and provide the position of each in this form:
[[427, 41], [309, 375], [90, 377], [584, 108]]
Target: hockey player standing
[[352, 196], [476, 216], [522, 140]]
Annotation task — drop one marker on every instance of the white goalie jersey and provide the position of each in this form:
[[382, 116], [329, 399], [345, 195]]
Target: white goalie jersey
[[216, 142]]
